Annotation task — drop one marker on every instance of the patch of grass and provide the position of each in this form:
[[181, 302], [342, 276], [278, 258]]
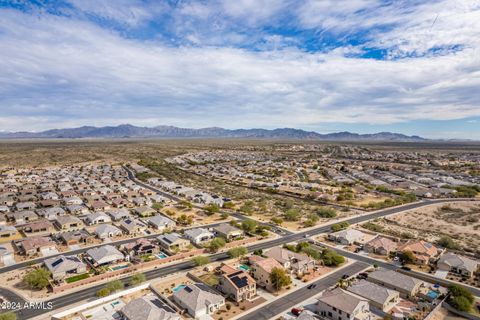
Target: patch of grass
[[78, 277]]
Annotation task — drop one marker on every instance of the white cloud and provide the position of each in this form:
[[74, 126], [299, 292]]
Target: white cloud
[[59, 72]]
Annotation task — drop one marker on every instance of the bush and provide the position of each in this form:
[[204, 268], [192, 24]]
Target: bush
[[137, 279], [8, 316], [277, 220], [292, 215], [448, 243], [249, 225], [216, 244], [201, 260], [331, 258], [340, 226], [102, 292], [237, 252], [326, 213], [115, 285], [37, 279], [212, 208]]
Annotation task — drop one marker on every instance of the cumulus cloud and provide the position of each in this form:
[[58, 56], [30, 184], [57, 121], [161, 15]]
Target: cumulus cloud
[[59, 71]]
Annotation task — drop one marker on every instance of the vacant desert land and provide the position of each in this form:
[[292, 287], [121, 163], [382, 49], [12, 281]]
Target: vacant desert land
[[459, 220]]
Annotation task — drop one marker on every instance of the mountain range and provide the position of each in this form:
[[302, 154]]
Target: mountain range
[[130, 131]]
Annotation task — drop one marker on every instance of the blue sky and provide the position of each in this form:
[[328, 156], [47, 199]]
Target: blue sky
[[325, 65]]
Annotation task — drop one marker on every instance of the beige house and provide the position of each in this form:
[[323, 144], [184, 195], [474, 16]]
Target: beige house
[[424, 251], [405, 285], [236, 284], [338, 304], [261, 269], [298, 263], [172, 243], [379, 297], [380, 245], [69, 223]]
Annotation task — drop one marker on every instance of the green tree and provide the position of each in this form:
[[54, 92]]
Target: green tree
[[460, 298], [212, 208], [326, 212], [228, 205], [237, 252], [115, 285], [258, 252], [277, 220], [331, 258], [340, 226], [102, 292], [249, 225], [279, 278], [137, 279], [448, 243], [292, 215], [407, 257], [37, 279], [157, 206], [216, 244], [185, 220], [8, 316], [185, 204], [201, 260]]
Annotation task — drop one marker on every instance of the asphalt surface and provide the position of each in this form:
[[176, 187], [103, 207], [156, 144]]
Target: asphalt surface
[[89, 293], [286, 237], [298, 296], [412, 273]]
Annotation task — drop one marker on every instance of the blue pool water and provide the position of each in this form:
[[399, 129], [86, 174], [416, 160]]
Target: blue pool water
[[179, 287], [119, 267], [161, 255], [243, 267], [432, 294]]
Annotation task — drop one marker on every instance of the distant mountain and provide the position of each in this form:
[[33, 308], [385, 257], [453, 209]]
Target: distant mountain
[[129, 131]]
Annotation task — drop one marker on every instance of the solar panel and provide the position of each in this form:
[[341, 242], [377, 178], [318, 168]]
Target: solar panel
[[56, 262], [188, 289], [239, 282]]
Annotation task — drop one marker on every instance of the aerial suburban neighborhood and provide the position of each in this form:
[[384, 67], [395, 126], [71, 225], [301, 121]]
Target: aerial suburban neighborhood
[[239, 159], [332, 232]]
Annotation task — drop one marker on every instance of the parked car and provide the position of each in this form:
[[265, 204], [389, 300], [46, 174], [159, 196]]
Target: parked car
[[406, 268], [296, 311], [311, 286], [345, 276]]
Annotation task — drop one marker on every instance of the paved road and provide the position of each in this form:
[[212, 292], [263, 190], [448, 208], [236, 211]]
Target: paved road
[[298, 296], [69, 298], [278, 230], [386, 265]]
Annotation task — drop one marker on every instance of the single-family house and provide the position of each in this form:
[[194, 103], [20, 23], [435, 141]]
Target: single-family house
[[26, 216], [298, 263], [198, 235], [148, 307], [198, 300], [42, 226], [105, 231], [261, 269], [161, 222], [140, 247], [405, 285], [76, 237], [104, 255], [457, 264], [172, 243], [61, 266], [69, 223], [144, 211], [338, 304], [97, 218], [228, 232], [380, 245], [348, 236], [424, 252], [133, 226], [8, 233], [120, 214], [33, 245], [236, 284], [379, 297]]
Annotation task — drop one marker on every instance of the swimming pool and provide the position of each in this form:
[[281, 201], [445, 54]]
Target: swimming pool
[[243, 267], [161, 255], [119, 267], [179, 287], [432, 294]]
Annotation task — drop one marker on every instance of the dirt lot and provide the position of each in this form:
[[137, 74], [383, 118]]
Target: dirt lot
[[459, 220]]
